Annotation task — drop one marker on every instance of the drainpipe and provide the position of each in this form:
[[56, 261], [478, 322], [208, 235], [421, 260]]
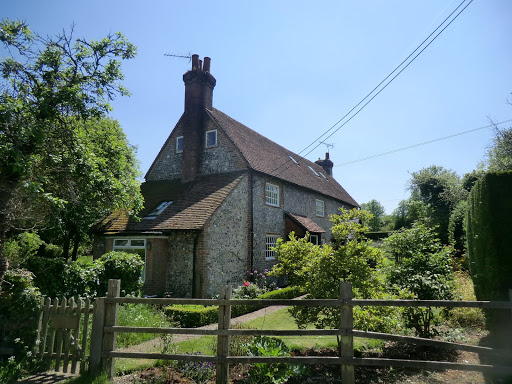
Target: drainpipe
[[195, 280]]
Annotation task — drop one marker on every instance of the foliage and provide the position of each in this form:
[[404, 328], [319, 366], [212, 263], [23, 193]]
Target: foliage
[[319, 270], [20, 248], [275, 372], [86, 280], [422, 269], [247, 291], [94, 170], [121, 265], [198, 371], [409, 211], [45, 83], [457, 233], [488, 235], [376, 222], [19, 306], [139, 315], [466, 317], [440, 190], [499, 155]]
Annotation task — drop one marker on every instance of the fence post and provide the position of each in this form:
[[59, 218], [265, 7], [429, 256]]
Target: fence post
[[109, 339], [346, 339], [98, 322], [222, 367]]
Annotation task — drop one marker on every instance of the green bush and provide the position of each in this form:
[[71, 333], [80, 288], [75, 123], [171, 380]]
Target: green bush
[[489, 220], [189, 316], [120, 265], [49, 275], [262, 373], [20, 304]]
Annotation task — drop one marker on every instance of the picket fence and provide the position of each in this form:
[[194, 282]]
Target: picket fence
[[105, 328]]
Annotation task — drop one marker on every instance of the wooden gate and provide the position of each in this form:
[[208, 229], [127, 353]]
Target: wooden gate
[[62, 334]]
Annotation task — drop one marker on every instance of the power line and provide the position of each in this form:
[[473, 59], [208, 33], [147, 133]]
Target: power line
[[384, 87], [422, 143]]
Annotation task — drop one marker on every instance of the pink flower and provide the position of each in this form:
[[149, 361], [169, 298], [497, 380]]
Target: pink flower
[[247, 283]]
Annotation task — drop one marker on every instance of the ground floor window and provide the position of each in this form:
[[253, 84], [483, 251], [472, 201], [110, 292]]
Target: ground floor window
[[137, 246], [270, 243], [315, 239]]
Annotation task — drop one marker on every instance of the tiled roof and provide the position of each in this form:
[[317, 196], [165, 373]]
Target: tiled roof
[[193, 204], [265, 156], [308, 224]]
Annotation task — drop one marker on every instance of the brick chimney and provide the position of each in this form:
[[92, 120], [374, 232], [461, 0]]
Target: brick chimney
[[326, 164], [199, 84]]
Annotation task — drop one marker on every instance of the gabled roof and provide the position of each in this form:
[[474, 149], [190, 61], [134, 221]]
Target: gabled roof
[[192, 205], [306, 223], [264, 155]]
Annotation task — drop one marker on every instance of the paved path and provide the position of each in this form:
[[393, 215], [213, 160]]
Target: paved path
[[46, 378]]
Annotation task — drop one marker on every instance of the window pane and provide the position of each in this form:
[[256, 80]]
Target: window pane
[[138, 243], [272, 194], [120, 243], [179, 144], [211, 138]]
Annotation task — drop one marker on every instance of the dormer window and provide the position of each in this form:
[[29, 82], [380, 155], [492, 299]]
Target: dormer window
[[158, 210], [179, 144], [211, 138]]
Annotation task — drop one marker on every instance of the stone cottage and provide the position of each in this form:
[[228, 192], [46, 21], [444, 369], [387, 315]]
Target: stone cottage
[[217, 198]]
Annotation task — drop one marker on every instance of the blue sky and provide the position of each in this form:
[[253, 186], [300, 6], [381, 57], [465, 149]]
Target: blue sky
[[291, 69]]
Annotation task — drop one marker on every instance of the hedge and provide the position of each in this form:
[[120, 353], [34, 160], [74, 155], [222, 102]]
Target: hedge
[[489, 219], [191, 316]]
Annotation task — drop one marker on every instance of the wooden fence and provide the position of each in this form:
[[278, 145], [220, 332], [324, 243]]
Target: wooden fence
[[104, 353], [62, 333]]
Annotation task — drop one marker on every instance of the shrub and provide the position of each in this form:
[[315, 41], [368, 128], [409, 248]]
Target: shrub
[[19, 313], [121, 265], [190, 316], [261, 373], [423, 269], [200, 372], [48, 275], [20, 248]]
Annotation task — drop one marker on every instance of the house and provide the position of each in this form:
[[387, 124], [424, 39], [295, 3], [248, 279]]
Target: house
[[218, 196]]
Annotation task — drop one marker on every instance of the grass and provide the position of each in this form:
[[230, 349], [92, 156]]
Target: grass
[[466, 317]]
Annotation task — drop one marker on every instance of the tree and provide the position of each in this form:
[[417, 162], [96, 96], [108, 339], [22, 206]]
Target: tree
[[45, 81], [499, 155], [410, 211], [320, 269], [440, 190], [422, 268], [94, 172], [377, 210]]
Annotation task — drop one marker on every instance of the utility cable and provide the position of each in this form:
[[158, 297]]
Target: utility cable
[[422, 143], [374, 89]]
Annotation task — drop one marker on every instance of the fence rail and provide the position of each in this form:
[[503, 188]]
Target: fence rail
[[105, 328]]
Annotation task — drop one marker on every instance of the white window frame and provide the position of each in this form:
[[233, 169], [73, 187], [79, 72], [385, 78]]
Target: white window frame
[[320, 208], [178, 139], [206, 138], [272, 197], [129, 246], [314, 239], [270, 242], [158, 210]]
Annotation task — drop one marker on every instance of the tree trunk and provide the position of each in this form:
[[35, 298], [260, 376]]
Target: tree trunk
[[76, 243], [65, 246]]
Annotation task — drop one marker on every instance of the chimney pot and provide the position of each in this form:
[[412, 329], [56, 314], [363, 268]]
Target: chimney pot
[[195, 62], [206, 65]]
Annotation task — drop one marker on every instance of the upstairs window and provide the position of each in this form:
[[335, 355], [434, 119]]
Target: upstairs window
[[320, 208], [158, 210], [270, 243], [272, 195], [211, 138], [179, 144]]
